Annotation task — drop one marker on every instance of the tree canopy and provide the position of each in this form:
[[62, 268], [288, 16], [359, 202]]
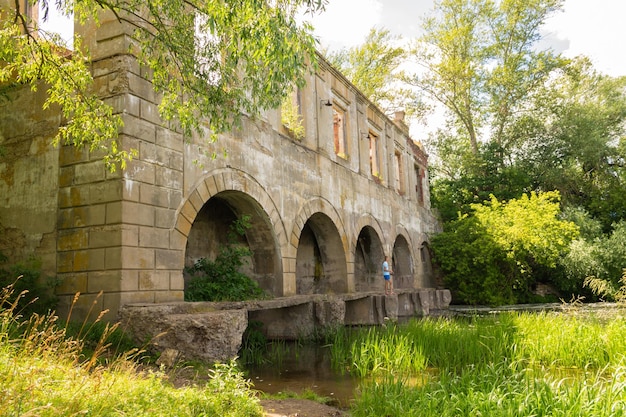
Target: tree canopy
[[215, 55], [375, 68]]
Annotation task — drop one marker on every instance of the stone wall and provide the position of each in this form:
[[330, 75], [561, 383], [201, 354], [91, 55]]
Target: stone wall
[[322, 217]]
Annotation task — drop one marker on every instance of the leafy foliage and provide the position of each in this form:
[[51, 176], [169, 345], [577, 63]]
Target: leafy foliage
[[31, 292], [492, 256], [290, 115], [374, 68], [214, 54], [221, 279]]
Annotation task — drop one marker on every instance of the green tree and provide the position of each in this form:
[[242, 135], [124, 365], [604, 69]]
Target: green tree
[[493, 256], [222, 57], [375, 69], [482, 64]]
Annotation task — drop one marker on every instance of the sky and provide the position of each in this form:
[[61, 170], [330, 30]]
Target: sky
[[595, 28]]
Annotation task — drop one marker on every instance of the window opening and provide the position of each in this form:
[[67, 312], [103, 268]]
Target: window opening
[[374, 159], [399, 175], [339, 131], [418, 184]]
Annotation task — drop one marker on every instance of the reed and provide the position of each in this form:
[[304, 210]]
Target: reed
[[513, 364]]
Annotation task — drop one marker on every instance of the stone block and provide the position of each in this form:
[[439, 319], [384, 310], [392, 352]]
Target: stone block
[[164, 218], [154, 280], [139, 214], [136, 297], [171, 178], [169, 296], [169, 259], [177, 281], [70, 284], [130, 235], [130, 190], [105, 192], [360, 311], [106, 236], [89, 172], [74, 196], [155, 196], [329, 313], [210, 336], [138, 128], [81, 216], [152, 237], [113, 258], [144, 91], [113, 212], [169, 139], [105, 281], [72, 239], [149, 111], [286, 323], [129, 280], [65, 262], [183, 225], [140, 171], [177, 240], [70, 155], [137, 258], [96, 259]]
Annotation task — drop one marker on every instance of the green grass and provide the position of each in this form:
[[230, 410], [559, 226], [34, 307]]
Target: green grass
[[43, 372], [513, 364]]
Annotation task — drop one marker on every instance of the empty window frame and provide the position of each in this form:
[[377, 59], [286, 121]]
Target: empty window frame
[[399, 172], [374, 155], [419, 190], [339, 131], [291, 113]]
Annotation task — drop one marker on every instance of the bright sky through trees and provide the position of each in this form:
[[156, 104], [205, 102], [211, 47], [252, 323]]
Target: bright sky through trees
[[592, 28]]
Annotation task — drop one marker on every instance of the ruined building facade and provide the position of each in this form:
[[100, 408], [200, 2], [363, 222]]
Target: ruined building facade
[[325, 207]]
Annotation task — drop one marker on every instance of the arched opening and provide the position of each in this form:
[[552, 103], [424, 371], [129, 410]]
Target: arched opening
[[209, 233], [368, 258], [320, 262], [428, 278], [403, 273]]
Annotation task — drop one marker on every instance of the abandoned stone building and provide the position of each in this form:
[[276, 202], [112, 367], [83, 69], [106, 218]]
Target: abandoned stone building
[[325, 206]]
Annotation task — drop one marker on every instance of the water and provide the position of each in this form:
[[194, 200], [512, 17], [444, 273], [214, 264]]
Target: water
[[299, 369]]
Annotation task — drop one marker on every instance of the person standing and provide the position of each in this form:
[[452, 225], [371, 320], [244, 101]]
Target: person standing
[[387, 273]]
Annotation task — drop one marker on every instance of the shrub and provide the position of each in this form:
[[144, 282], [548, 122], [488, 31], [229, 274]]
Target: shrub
[[221, 279], [28, 286]]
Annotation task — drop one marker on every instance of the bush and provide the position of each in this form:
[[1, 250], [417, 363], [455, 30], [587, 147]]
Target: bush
[[28, 286], [494, 255], [221, 279]]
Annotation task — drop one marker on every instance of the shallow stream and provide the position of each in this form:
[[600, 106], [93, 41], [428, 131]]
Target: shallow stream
[[297, 369]]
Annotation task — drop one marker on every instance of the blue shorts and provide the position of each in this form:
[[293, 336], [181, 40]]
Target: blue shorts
[[387, 277]]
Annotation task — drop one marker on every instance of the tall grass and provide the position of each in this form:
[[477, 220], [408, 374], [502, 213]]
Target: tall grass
[[43, 373], [496, 390], [513, 364]]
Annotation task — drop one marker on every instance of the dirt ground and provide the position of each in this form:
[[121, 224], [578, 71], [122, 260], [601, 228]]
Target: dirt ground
[[293, 407]]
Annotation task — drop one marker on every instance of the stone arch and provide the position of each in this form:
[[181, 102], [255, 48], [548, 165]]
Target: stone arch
[[368, 255], [320, 252], [403, 265], [211, 207], [426, 271]]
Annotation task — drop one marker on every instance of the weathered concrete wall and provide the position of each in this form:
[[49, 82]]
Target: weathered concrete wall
[[29, 179], [322, 218]]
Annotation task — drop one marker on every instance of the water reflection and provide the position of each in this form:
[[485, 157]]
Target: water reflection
[[300, 368]]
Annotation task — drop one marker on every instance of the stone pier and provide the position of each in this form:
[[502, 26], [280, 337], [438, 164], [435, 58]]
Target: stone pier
[[213, 332]]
